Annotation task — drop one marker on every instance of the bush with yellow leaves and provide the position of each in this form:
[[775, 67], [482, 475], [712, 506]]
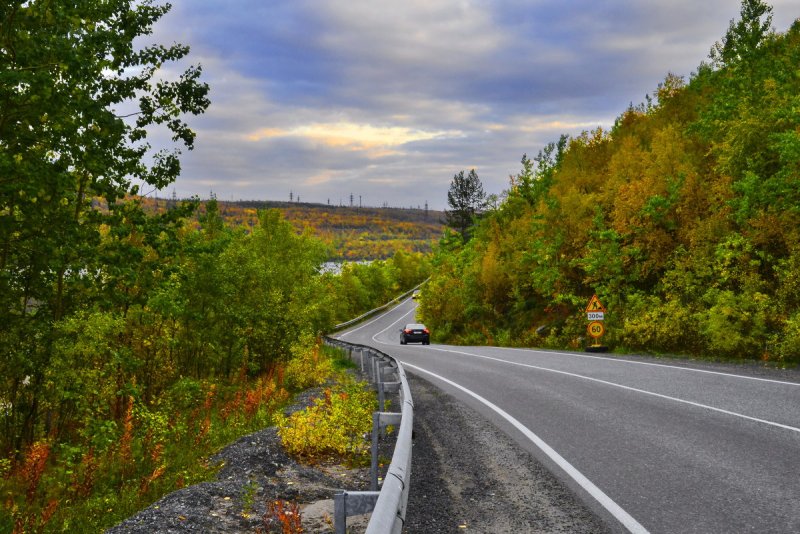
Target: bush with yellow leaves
[[334, 427], [308, 366]]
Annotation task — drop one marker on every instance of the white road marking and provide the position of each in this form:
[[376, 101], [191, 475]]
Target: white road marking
[[621, 386], [412, 310], [678, 367], [614, 384], [378, 318], [605, 501]]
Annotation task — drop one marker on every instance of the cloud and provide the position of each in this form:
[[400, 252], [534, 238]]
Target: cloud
[[377, 140], [388, 100]]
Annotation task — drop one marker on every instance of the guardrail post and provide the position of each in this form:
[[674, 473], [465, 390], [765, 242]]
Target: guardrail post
[[379, 366], [376, 426], [376, 368], [380, 420], [340, 513], [350, 503]]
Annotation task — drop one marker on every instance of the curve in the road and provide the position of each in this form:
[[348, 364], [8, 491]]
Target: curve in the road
[[604, 500], [582, 480], [690, 447]]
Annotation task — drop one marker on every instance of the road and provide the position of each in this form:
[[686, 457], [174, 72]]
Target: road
[[650, 445]]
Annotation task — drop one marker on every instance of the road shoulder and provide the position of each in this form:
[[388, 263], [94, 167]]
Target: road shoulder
[[467, 476]]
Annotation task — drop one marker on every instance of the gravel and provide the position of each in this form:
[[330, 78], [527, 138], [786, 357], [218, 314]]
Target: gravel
[[467, 476], [256, 472]]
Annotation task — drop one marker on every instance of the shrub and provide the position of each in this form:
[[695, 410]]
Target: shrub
[[653, 324], [308, 367], [735, 324], [786, 345], [334, 426]]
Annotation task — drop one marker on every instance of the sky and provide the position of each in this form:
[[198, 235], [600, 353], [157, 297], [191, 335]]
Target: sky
[[386, 100]]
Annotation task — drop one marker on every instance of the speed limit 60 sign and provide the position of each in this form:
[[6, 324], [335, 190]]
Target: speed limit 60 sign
[[596, 329]]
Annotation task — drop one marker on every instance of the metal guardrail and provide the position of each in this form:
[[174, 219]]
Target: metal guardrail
[[388, 506]]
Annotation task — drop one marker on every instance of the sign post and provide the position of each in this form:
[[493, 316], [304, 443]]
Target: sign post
[[596, 314]]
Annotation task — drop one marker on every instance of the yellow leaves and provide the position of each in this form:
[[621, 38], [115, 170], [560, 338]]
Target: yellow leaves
[[307, 368], [335, 425]]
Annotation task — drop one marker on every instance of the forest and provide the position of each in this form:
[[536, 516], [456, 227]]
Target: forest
[[684, 218], [135, 343], [178, 340]]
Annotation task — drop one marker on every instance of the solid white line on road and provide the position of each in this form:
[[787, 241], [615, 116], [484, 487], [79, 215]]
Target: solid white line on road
[[605, 501], [621, 386], [677, 367]]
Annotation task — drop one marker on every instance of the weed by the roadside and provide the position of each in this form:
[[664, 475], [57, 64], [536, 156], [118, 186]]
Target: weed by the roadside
[[249, 497], [159, 447], [281, 517]]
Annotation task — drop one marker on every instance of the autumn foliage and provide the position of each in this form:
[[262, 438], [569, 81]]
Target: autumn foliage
[[135, 341], [190, 342], [349, 233], [684, 218]]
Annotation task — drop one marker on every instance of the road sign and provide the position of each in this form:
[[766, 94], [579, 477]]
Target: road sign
[[596, 316], [596, 329], [595, 305]]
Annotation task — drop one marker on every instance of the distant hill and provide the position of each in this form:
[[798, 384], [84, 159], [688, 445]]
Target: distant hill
[[353, 233]]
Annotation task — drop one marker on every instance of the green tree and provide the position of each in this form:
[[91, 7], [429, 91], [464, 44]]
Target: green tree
[[745, 36], [270, 287], [466, 199], [77, 102]]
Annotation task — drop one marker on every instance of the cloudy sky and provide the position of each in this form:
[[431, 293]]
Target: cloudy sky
[[388, 99]]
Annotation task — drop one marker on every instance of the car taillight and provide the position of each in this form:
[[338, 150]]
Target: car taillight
[[427, 331], [407, 331]]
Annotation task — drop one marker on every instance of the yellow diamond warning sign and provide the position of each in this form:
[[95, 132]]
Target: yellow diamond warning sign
[[595, 305]]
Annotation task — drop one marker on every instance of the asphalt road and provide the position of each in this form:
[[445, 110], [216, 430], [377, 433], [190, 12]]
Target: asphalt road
[[649, 445]]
